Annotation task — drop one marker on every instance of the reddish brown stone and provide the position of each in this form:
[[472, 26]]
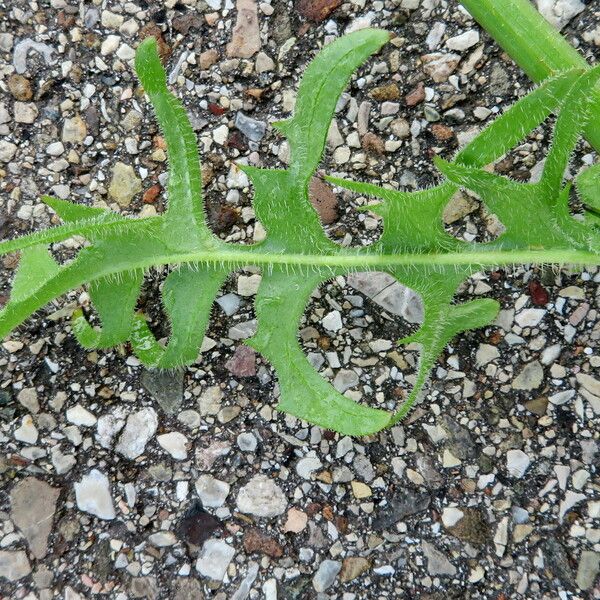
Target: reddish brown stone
[[151, 194], [539, 294], [416, 95], [317, 10], [216, 109], [324, 200], [257, 541], [442, 132], [243, 362]]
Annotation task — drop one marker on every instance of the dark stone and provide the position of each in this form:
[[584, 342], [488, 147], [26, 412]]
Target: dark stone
[[317, 10], [166, 387], [197, 525], [460, 443], [190, 20], [472, 528], [557, 560], [298, 589], [102, 561], [403, 505]]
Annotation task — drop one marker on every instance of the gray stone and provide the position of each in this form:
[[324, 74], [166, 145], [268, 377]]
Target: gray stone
[[32, 507], [517, 463], [560, 12], [139, 428], [212, 492], [437, 562], [261, 497], [7, 150], [92, 495], [247, 442], [344, 380], [307, 465], [174, 443], [144, 587], [253, 129], [166, 387], [74, 130], [188, 588], [405, 504], [326, 574], [214, 559], [530, 377], [230, 303], [23, 48], [588, 569], [463, 41], [14, 565]]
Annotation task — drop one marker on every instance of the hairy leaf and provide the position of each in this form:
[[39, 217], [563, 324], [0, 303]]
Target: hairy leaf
[[297, 256]]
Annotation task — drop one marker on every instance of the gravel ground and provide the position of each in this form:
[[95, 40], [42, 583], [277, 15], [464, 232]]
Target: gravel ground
[[130, 484]]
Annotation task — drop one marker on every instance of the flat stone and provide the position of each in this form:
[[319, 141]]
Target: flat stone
[[32, 507], [403, 505], [560, 12], [243, 362], [332, 321], [28, 398], [307, 466], [197, 525], [486, 353], [353, 567], [174, 443], [463, 41], [245, 40], [166, 387], [296, 521], [188, 588], [530, 377], [27, 432], [212, 492], [517, 463], [210, 400], [261, 497], [7, 151], [588, 569], [344, 380], [78, 415], [326, 574], [253, 129], [247, 442], [439, 66], [25, 112], [139, 429], [124, 184], [591, 384], [437, 562], [214, 559], [74, 130], [14, 565], [144, 587], [93, 495]]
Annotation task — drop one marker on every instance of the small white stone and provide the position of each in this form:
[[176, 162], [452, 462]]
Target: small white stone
[[332, 321], [261, 497], [80, 416], [174, 443], [7, 150], [139, 428], [162, 539], [464, 41], [214, 559], [92, 495], [25, 112], [451, 516], [110, 44], [55, 149], [212, 492], [247, 442], [248, 284], [28, 432], [220, 134], [530, 317], [517, 463], [307, 465]]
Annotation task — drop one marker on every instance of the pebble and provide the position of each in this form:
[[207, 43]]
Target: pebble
[[74, 130], [253, 129], [32, 507], [174, 443], [353, 567], [28, 398], [296, 521], [326, 574], [530, 377], [162, 539], [210, 401], [80, 416], [261, 497], [7, 151], [486, 353], [588, 569], [530, 317], [212, 492], [439, 66], [25, 112], [264, 63], [23, 48], [245, 40], [93, 496], [517, 463], [451, 516], [243, 362], [437, 562], [307, 466], [139, 429], [27, 432], [20, 88], [230, 304], [247, 285], [124, 184], [14, 565], [560, 12], [463, 41], [247, 442], [214, 559], [344, 380], [165, 387]]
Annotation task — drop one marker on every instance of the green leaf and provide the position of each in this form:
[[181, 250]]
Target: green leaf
[[296, 255]]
